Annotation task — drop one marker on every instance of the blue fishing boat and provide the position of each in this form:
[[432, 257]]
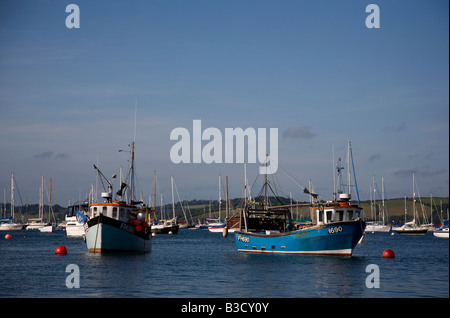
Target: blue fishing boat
[[336, 229], [336, 226]]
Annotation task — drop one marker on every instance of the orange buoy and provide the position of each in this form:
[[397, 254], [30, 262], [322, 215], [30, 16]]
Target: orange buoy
[[61, 250], [388, 253], [7, 236]]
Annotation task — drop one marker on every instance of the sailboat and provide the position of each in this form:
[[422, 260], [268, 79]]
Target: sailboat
[[116, 225], [411, 228], [8, 224], [167, 226], [214, 224], [336, 227], [35, 224], [48, 228], [378, 225]]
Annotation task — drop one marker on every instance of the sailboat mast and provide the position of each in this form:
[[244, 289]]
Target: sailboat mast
[[173, 200], [265, 185], [154, 192], [12, 196], [226, 199], [132, 173], [414, 201], [220, 198], [41, 200], [50, 203], [382, 198]]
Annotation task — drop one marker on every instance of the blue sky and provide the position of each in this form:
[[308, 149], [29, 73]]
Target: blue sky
[[312, 69]]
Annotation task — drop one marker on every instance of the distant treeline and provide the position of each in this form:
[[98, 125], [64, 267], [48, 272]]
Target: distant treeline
[[199, 209]]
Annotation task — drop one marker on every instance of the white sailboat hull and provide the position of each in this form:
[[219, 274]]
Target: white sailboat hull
[[377, 228], [10, 227], [441, 233], [47, 229]]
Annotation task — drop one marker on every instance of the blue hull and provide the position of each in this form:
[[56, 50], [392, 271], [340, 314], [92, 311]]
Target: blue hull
[[338, 238]]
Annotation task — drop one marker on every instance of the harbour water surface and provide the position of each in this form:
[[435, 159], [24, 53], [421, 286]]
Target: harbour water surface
[[200, 264]]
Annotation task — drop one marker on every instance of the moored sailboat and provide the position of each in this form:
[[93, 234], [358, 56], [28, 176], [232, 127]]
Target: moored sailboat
[[412, 227], [8, 224]]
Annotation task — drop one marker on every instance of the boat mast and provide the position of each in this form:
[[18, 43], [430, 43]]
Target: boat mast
[[132, 173], [12, 196], [220, 198], [405, 210], [41, 200], [265, 184], [414, 201], [173, 200], [154, 192], [382, 198], [348, 168], [50, 203]]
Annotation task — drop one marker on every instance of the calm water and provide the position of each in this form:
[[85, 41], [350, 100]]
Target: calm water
[[198, 263]]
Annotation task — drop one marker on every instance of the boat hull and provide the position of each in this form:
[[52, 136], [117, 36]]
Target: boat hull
[[11, 227], [337, 238], [104, 234], [74, 229], [441, 233], [411, 231], [166, 229]]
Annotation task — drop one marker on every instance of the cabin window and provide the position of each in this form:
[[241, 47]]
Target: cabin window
[[94, 211], [339, 215], [350, 214], [114, 213], [320, 216], [104, 210], [329, 216]]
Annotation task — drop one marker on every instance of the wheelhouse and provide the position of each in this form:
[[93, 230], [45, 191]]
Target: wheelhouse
[[117, 210]]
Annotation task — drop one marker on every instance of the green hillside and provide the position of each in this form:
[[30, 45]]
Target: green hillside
[[201, 209]]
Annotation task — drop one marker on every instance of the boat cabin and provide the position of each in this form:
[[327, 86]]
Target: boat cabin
[[117, 210], [336, 211]]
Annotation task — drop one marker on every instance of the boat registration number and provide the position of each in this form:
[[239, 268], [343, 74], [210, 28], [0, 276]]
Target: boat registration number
[[245, 239], [335, 229]]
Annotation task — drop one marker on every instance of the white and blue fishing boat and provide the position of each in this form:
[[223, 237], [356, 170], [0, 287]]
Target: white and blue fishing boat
[[116, 225], [336, 227]]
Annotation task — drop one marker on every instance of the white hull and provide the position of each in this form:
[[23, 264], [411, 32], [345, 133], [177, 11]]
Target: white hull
[[35, 226], [115, 237], [47, 229], [10, 227], [75, 229], [441, 233], [220, 229], [378, 228]]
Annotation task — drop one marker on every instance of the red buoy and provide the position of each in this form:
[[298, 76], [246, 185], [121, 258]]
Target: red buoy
[[61, 250], [138, 228], [7, 236], [388, 253]]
